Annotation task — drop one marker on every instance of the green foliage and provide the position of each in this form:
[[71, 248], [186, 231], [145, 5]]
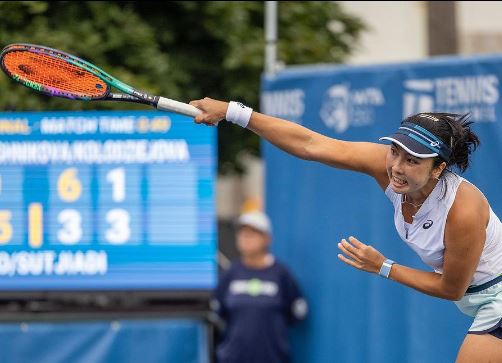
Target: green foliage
[[180, 49], [96, 31]]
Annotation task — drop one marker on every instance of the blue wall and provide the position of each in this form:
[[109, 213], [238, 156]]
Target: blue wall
[[355, 316], [121, 341]]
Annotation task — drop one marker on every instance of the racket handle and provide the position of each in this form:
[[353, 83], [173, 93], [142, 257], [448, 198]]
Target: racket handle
[[166, 104]]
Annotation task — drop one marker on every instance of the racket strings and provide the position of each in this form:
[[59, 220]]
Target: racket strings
[[55, 75]]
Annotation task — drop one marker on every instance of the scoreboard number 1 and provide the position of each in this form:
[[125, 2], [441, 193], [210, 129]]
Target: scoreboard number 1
[[116, 177]]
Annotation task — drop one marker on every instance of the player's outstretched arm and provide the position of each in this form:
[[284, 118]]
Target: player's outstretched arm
[[365, 157]]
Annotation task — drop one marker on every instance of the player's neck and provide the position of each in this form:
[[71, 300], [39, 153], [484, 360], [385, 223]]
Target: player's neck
[[418, 198]]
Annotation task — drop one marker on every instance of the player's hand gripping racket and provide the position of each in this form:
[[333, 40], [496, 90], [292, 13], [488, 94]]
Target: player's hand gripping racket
[[56, 73]]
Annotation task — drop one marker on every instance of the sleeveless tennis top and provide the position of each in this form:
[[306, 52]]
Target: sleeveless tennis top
[[426, 234]]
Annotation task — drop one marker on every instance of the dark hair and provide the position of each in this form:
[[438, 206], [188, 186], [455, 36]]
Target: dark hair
[[454, 130]]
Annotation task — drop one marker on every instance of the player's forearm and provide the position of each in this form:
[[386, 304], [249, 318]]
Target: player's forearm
[[430, 283], [286, 135]]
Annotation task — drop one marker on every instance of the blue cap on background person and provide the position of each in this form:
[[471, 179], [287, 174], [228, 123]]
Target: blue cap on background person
[[257, 220]]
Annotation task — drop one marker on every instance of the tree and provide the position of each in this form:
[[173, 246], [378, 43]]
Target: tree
[[181, 49]]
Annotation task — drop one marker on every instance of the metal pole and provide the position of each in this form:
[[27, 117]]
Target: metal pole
[[442, 27], [270, 37]]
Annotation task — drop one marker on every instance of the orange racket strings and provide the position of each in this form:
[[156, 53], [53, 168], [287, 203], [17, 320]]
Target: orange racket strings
[[55, 75]]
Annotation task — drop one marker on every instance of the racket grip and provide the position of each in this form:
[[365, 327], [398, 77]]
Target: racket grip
[[166, 104]]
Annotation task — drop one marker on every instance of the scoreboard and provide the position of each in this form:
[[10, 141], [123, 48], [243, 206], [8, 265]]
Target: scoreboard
[[106, 201]]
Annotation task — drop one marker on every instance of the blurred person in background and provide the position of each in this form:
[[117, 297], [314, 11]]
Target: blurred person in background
[[256, 298], [444, 218]]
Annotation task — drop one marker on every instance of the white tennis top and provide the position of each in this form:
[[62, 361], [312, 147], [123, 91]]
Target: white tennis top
[[426, 234]]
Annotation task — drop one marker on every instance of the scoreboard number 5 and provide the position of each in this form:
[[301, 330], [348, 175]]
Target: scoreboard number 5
[[5, 226]]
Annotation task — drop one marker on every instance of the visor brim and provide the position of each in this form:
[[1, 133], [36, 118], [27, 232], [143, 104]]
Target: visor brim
[[411, 146]]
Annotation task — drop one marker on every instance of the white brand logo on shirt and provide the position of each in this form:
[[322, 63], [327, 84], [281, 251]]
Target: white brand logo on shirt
[[254, 287]]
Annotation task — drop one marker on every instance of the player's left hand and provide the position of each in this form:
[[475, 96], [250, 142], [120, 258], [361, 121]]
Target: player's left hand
[[361, 256]]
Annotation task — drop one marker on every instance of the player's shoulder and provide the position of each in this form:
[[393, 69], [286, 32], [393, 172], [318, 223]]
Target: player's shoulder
[[235, 266], [468, 194], [469, 201], [231, 270], [282, 269]]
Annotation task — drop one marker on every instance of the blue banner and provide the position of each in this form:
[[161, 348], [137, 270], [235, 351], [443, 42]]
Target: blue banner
[[106, 200], [358, 317], [101, 341]]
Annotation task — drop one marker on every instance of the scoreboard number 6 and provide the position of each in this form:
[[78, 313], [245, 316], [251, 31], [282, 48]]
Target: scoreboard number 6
[[69, 186]]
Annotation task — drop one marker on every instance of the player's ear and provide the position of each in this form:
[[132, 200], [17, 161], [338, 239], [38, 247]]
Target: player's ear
[[438, 170]]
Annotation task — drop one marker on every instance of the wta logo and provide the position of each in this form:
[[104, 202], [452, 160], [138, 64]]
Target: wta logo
[[344, 107], [477, 95]]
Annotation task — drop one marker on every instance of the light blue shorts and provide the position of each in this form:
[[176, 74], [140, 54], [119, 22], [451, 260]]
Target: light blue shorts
[[484, 303]]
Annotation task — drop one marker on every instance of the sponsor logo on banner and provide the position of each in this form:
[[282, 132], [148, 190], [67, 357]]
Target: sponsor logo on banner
[[477, 95], [344, 107], [288, 103]]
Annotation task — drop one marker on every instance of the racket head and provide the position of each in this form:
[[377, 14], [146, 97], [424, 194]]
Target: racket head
[[53, 72]]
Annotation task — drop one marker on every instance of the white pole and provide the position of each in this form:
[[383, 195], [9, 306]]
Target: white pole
[[270, 37]]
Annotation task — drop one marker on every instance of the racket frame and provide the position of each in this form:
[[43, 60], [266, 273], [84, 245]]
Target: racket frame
[[129, 94]]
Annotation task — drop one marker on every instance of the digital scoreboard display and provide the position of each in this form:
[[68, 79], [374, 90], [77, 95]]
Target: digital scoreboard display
[[106, 201]]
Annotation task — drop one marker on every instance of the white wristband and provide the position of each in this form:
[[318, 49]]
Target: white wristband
[[386, 267], [238, 114]]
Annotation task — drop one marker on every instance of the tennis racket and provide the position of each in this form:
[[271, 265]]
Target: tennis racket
[[59, 74]]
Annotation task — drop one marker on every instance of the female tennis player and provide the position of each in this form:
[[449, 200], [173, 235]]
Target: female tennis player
[[445, 219]]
